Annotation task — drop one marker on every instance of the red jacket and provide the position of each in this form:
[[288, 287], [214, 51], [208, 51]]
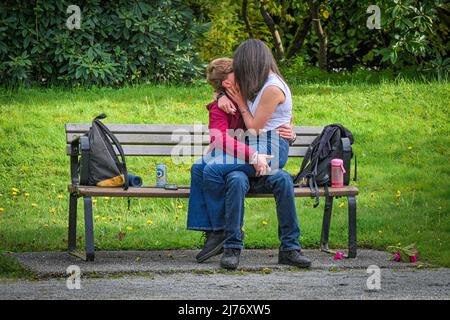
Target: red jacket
[[219, 123]]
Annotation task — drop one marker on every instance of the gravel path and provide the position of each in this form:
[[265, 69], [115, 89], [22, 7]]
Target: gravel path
[[347, 284], [174, 274]]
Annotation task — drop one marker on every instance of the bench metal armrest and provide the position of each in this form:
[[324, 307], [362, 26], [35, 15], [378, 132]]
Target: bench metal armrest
[[74, 153], [77, 147], [84, 161]]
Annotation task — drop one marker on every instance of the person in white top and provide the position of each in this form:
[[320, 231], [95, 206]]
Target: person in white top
[[264, 101]]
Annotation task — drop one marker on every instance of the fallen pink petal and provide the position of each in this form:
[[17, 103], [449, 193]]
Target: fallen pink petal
[[339, 255], [413, 258], [397, 257]]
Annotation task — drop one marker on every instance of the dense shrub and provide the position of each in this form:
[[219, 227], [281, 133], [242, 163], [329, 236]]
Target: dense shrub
[[410, 34], [119, 42]]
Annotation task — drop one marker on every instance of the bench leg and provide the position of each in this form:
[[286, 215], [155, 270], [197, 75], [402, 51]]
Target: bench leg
[[72, 237], [326, 224], [89, 229], [351, 227]]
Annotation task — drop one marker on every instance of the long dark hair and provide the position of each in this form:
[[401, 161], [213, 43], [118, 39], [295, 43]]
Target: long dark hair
[[252, 62]]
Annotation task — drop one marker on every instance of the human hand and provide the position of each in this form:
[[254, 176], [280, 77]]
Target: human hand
[[261, 166], [235, 94], [226, 105], [286, 131]]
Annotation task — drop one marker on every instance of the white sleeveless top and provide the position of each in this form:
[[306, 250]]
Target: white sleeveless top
[[283, 112]]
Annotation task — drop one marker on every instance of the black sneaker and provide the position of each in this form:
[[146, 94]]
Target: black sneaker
[[230, 259], [293, 258], [213, 245]]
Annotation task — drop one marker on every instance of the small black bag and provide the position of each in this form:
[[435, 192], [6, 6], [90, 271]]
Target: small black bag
[[335, 141], [100, 165]]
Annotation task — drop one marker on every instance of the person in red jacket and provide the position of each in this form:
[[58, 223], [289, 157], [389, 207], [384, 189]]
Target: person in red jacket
[[226, 133]]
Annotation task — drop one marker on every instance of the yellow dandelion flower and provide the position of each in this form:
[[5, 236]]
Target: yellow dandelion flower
[[60, 196], [180, 206], [130, 228], [104, 218], [265, 222], [15, 189], [149, 222], [342, 204], [266, 270], [52, 210], [94, 201], [325, 14], [97, 216], [398, 194], [2, 210], [26, 194], [34, 205], [14, 193]]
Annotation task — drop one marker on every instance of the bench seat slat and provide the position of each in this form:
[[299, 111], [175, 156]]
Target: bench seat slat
[[81, 128], [183, 192]]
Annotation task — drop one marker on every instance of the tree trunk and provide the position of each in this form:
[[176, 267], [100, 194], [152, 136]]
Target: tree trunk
[[299, 38], [273, 30], [323, 39], [245, 18]]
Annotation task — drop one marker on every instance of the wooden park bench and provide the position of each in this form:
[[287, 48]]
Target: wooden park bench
[[157, 140]]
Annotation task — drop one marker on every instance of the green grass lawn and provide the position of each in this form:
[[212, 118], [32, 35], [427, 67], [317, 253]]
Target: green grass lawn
[[402, 143]]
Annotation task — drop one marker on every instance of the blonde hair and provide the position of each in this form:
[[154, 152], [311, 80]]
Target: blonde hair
[[217, 71]]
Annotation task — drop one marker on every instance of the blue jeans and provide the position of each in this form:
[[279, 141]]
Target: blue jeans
[[281, 185], [206, 211]]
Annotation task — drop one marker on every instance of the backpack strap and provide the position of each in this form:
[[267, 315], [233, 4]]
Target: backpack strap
[[119, 148], [314, 184], [294, 184], [325, 139], [316, 191]]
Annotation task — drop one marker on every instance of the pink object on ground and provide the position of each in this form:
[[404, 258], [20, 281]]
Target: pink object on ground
[[397, 257], [339, 255]]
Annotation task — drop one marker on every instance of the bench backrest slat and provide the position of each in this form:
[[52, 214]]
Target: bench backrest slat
[[168, 139], [131, 150], [81, 128], [161, 139]]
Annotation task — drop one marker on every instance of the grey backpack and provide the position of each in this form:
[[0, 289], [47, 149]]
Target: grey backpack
[[100, 165]]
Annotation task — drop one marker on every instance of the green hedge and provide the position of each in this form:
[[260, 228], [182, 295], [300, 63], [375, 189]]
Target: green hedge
[[118, 42]]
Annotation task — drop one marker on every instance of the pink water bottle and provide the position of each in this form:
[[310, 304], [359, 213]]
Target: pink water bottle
[[337, 173]]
